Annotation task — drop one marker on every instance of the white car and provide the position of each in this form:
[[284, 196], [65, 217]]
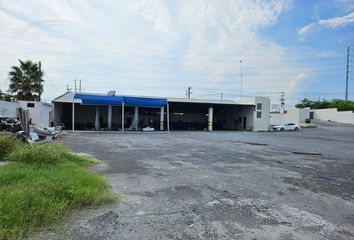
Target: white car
[[287, 127]]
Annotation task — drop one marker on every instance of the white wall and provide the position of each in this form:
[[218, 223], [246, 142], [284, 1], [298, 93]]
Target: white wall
[[325, 114], [262, 124], [304, 113], [8, 109], [293, 115], [331, 114], [40, 113], [277, 118]]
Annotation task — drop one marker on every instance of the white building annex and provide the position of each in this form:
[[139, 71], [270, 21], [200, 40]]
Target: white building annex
[[87, 111], [38, 112]]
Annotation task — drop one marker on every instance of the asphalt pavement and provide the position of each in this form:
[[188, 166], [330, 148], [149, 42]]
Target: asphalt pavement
[[220, 185]]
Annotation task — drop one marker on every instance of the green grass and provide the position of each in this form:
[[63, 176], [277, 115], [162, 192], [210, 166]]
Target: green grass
[[8, 144], [308, 125], [41, 184]]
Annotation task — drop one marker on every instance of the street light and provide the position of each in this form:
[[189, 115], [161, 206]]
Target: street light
[[241, 78]]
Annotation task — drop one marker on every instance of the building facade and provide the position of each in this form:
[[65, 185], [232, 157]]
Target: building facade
[[77, 111]]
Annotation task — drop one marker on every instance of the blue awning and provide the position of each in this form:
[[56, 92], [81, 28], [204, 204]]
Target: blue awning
[[99, 99], [144, 102], [90, 99]]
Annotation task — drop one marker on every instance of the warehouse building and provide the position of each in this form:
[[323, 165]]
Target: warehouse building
[[84, 111]]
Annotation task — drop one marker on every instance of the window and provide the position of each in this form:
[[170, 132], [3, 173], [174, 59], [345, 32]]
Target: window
[[259, 106], [259, 114], [30, 105]]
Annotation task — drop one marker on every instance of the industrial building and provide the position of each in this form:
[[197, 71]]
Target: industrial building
[[84, 111]]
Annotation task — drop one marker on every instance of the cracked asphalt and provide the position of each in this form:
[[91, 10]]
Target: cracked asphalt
[[220, 185]]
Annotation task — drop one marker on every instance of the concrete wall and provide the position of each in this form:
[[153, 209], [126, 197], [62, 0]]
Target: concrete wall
[[40, 113], [8, 109], [277, 118], [262, 123], [293, 115], [331, 114], [304, 114]]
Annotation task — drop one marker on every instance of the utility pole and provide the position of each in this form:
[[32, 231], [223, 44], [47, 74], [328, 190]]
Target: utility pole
[[40, 69], [80, 86], [188, 92], [282, 102], [221, 96], [241, 78], [75, 85], [348, 72]]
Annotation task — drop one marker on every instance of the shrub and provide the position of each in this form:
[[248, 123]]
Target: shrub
[[307, 120], [38, 153], [8, 144]]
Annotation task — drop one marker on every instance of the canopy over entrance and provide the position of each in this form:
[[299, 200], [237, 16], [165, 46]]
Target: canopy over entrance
[[90, 99], [99, 99]]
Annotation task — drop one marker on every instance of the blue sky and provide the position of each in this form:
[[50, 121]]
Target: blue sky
[[160, 47]]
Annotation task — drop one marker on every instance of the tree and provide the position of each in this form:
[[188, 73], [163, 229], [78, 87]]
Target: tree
[[26, 81], [304, 103], [341, 105], [6, 96]]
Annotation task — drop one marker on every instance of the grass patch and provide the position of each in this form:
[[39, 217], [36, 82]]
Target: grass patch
[[308, 125], [8, 144], [41, 184]]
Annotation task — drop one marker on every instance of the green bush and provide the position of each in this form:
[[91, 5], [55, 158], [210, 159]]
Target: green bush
[[8, 144], [38, 153]]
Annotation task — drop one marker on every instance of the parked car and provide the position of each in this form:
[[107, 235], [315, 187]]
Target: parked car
[[287, 127]]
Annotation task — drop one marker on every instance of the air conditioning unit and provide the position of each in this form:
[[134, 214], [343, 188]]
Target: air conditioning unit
[[111, 93]]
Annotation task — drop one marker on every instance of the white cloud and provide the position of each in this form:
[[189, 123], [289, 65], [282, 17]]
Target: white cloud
[[197, 42], [330, 23], [306, 29], [338, 21]]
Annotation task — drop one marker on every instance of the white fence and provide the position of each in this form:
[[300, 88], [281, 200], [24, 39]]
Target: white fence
[[293, 115], [332, 114], [8, 109], [39, 112]]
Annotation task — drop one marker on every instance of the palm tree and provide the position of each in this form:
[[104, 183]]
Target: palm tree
[[26, 81]]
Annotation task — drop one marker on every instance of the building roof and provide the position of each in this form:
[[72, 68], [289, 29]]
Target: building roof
[[209, 101], [69, 98]]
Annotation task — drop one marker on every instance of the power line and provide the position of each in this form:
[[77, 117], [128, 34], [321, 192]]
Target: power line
[[145, 49], [166, 88], [287, 74], [50, 81], [178, 59], [251, 70], [194, 80]]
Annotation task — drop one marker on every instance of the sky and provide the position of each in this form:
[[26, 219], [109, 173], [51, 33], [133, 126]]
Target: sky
[[160, 47]]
